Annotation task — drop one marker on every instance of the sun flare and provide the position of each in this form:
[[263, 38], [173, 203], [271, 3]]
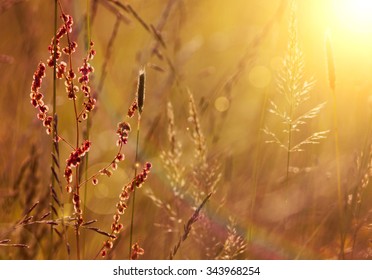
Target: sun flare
[[355, 14]]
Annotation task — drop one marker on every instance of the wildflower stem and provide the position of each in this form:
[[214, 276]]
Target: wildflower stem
[[77, 187], [134, 191], [54, 113], [289, 146], [87, 132]]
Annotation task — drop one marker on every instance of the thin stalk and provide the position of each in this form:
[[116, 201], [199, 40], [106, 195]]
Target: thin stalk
[[134, 191], [332, 85], [77, 187], [289, 144], [87, 136], [256, 165], [54, 113], [338, 174], [88, 26], [364, 164]]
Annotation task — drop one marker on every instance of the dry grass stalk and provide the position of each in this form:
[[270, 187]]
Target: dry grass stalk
[[187, 228], [196, 134], [175, 173], [295, 91], [137, 105], [172, 158], [152, 30], [204, 174], [5, 243], [108, 54], [357, 219], [340, 195], [234, 246]]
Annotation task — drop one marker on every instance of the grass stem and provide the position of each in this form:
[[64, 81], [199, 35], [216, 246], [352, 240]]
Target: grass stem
[[338, 175], [134, 191]]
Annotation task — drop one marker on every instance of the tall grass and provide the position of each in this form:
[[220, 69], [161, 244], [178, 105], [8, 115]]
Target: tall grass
[[340, 195], [295, 90], [214, 189]]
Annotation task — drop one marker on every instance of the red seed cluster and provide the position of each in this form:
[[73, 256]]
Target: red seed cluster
[[92, 51], [108, 244], [123, 132], [106, 171], [37, 97], [70, 88], [141, 178], [63, 30], [68, 22], [85, 71], [70, 49], [136, 251], [75, 159], [121, 206], [76, 201], [61, 70], [132, 109]]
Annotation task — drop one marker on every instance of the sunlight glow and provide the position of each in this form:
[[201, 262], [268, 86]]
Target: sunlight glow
[[355, 14]]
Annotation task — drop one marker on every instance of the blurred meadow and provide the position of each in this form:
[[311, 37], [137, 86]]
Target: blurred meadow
[[256, 121]]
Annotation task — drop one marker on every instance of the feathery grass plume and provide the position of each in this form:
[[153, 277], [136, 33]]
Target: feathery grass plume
[[196, 134], [187, 228], [206, 175], [296, 91], [234, 246], [332, 85], [175, 173], [171, 158]]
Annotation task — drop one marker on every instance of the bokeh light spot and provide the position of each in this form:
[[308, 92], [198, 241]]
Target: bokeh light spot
[[260, 76], [221, 104]]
